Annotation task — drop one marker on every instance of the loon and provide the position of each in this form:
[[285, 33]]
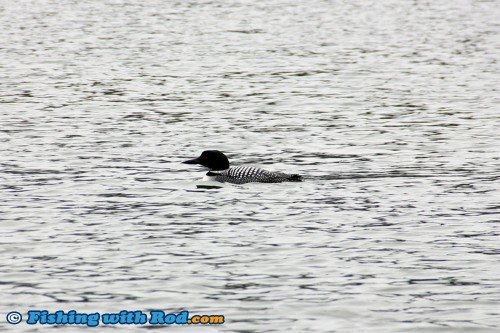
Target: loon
[[220, 171]]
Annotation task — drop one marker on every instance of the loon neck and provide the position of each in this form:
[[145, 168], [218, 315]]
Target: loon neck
[[214, 172], [220, 168]]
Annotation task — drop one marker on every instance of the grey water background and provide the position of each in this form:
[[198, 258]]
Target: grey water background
[[390, 109]]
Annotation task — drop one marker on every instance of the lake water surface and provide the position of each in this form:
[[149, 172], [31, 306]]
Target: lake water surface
[[390, 110]]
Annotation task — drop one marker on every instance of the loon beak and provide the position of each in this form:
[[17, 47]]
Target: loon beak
[[194, 161]]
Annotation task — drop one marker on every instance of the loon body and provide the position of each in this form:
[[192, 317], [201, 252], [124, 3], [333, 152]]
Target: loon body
[[220, 171]]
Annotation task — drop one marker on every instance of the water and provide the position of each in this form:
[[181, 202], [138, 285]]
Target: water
[[388, 108]]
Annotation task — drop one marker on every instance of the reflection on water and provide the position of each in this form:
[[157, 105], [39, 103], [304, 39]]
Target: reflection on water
[[389, 110]]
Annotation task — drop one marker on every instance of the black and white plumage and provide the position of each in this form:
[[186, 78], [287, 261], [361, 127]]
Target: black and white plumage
[[243, 174], [220, 171]]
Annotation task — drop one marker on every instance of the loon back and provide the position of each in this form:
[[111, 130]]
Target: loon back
[[242, 175]]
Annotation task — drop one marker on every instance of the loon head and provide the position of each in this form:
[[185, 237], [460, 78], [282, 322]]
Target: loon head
[[212, 159]]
